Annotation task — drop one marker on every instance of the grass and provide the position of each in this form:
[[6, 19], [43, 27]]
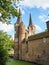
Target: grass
[[18, 62]]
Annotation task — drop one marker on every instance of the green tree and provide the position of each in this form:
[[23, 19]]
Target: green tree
[[7, 9], [6, 39], [3, 54], [5, 42], [3, 51]]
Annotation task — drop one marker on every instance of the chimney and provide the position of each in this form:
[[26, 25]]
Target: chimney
[[47, 23]]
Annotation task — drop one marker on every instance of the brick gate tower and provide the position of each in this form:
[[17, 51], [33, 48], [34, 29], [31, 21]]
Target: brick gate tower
[[19, 36]]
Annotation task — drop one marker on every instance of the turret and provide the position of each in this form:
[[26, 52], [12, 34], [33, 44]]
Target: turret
[[19, 35], [22, 31], [16, 37], [19, 17], [31, 27], [18, 23], [30, 21]]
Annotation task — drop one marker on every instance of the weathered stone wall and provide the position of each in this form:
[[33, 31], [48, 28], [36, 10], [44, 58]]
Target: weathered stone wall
[[16, 50], [36, 51]]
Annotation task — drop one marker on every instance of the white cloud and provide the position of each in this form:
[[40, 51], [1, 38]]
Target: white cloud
[[43, 18], [38, 28], [32, 3], [6, 28]]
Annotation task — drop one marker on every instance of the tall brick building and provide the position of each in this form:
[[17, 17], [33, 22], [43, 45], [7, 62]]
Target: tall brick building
[[30, 46]]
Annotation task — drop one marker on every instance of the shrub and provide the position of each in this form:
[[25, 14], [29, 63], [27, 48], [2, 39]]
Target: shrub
[[5, 44], [3, 55]]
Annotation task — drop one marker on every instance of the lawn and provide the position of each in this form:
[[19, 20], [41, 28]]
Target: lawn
[[17, 62]]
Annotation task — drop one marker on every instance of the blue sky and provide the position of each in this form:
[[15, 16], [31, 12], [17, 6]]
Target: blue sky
[[39, 11]]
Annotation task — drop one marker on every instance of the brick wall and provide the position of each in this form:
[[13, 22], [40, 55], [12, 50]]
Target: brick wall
[[38, 51]]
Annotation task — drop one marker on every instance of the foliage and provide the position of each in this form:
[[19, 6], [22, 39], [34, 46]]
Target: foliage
[[3, 55], [5, 43], [6, 39], [3, 52], [7, 10]]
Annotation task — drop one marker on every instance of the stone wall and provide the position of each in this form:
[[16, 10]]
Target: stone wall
[[36, 50], [16, 50]]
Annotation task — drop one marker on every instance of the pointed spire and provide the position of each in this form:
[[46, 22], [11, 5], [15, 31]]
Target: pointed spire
[[30, 21], [19, 17], [19, 12]]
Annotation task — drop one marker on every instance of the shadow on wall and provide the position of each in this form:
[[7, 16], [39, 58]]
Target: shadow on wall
[[43, 54]]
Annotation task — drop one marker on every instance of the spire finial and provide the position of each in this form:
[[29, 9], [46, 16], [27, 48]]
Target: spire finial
[[19, 12], [30, 21], [19, 16]]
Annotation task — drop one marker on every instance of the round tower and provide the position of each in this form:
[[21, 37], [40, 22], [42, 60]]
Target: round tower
[[19, 36], [16, 56], [22, 31], [16, 37]]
